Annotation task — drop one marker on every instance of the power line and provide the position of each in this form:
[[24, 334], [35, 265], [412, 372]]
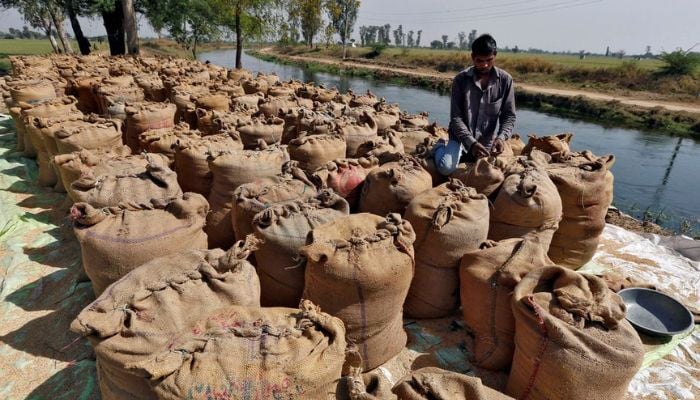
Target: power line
[[493, 15], [451, 11]]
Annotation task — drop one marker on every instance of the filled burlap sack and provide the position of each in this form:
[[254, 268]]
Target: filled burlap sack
[[32, 91], [84, 88], [166, 140], [549, 144], [146, 116], [426, 158], [191, 160], [181, 96], [254, 197], [215, 122], [392, 186], [283, 229], [133, 324], [571, 338], [345, 176], [113, 100], [270, 130], [277, 106], [586, 190], [113, 188], [487, 278], [117, 160], [231, 169], [449, 220], [58, 109], [484, 175], [212, 101], [22, 138], [435, 383], [368, 99], [514, 146], [314, 151], [114, 241], [528, 202], [358, 132], [359, 269], [100, 134], [386, 148]]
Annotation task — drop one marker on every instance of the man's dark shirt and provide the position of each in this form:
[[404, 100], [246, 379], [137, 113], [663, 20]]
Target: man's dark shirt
[[475, 113]]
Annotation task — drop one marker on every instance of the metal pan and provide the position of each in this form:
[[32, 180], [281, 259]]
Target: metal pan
[[655, 313]]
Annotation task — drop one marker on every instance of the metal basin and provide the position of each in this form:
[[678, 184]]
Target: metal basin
[[655, 313]]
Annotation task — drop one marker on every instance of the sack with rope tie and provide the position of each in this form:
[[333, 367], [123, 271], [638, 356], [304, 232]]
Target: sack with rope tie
[[448, 220], [359, 268], [283, 229], [487, 278]]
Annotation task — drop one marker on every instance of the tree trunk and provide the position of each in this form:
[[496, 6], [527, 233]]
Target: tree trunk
[[132, 35], [239, 40], [113, 21], [58, 23], [83, 42], [46, 24]]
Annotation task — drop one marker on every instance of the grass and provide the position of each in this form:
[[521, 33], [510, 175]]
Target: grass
[[618, 76]]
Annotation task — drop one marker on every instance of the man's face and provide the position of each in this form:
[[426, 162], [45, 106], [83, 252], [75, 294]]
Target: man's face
[[482, 63]]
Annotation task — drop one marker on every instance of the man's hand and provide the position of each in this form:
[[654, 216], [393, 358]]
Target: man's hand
[[479, 151], [498, 147]]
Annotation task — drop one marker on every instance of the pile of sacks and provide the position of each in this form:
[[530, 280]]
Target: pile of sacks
[[252, 238]]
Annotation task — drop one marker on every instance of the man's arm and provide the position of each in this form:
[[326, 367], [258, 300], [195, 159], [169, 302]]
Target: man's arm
[[507, 118], [458, 115]]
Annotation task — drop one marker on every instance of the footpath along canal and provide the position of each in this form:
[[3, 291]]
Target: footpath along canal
[[656, 175]]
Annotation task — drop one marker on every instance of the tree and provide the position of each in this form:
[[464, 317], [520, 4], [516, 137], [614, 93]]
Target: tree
[[420, 33], [451, 45], [397, 37], [462, 37], [444, 40], [38, 14], [607, 51], [132, 36], [308, 13], [72, 8], [385, 39], [679, 62], [343, 14], [410, 41], [252, 19], [189, 22], [113, 18], [328, 33], [516, 49], [436, 44], [471, 38]]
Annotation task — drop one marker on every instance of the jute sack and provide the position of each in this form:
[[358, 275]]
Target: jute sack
[[586, 190], [549, 144], [114, 188], [214, 122], [117, 160], [165, 140], [191, 165], [116, 240], [283, 229], [426, 158], [487, 278], [484, 175], [143, 117], [270, 130], [527, 202], [112, 100], [345, 176], [59, 109], [32, 91], [359, 269], [514, 145], [252, 198], [216, 102], [15, 113], [368, 99], [135, 320], [392, 186], [449, 220], [101, 134], [85, 90], [386, 148], [435, 383], [231, 169], [571, 339], [356, 133], [314, 151]]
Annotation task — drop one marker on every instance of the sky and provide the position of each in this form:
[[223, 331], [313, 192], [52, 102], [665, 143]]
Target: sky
[[555, 25]]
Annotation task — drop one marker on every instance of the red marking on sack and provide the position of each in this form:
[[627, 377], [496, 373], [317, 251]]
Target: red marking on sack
[[543, 346]]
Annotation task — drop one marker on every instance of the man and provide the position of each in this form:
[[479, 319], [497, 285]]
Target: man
[[482, 99]]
